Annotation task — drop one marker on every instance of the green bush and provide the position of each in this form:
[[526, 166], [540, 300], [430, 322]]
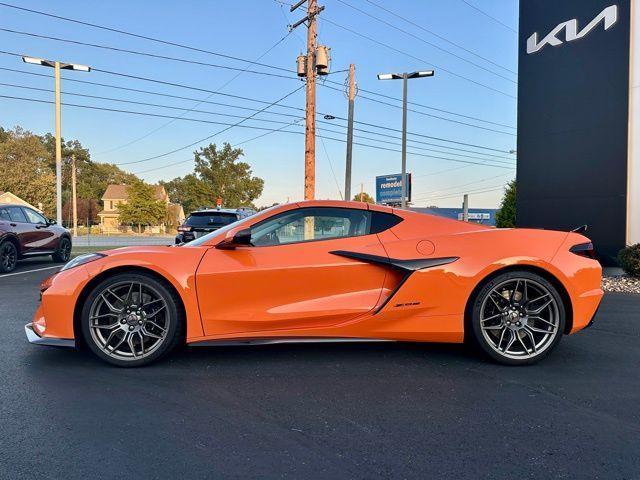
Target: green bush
[[629, 259], [506, 216]]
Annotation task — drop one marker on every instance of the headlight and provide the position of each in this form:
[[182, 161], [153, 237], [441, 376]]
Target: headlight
[[82, 259]]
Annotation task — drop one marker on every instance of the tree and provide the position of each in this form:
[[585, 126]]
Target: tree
[[506, 216], [363, 197], [142, 207], [189, 191], [26, 169], [87, 210], [217, 174]]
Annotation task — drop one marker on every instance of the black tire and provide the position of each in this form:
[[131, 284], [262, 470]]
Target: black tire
[[8, 256], [63, 252], [174, 318], [514, 315]]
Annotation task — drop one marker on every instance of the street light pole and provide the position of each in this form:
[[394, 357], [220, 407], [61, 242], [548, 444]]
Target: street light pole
[[404, 77], [403, 201], [56, 70], [57, 66]]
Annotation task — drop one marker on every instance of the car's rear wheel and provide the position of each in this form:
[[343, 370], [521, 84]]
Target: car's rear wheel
[[63, 253], [131, 319], [8, 256], [518, 318]]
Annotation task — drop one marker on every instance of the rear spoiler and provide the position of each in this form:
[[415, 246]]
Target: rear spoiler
[[581, 229]]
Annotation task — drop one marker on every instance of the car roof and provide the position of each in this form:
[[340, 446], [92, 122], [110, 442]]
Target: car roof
[[14, 205], [344, 204], [216, 210]]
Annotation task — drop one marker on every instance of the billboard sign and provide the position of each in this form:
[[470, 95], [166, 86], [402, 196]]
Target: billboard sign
[[389, 189]]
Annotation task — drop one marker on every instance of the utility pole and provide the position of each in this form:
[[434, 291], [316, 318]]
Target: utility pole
[[310, 128], [309, 69], [465, 208], [404, 77], [57, 66], [361, 191], [73, 195], [352, 96]]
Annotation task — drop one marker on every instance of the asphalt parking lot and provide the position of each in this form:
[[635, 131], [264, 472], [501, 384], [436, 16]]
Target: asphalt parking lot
[[320, 411]]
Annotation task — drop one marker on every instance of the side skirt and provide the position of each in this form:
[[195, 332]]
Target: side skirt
[[274, 341]]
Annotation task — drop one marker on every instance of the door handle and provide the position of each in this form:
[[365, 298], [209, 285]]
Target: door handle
[[13, 224]]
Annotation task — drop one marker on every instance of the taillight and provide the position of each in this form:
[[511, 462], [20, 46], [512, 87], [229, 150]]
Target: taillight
[[184, 228], [584, 250]]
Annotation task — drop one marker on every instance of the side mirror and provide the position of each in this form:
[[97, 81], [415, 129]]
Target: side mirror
[[242, 238], [51, 221]]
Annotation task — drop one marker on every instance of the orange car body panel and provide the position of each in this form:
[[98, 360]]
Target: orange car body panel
[[303, 290]]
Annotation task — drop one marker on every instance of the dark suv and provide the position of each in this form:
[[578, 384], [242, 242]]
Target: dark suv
[[201, 222], [26, 233]]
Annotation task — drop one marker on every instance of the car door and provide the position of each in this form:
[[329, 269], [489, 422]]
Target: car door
[[19, 225], [40, 238], [289, 278]]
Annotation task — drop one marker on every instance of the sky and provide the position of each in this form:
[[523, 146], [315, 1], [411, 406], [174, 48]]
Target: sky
[[462, 121]]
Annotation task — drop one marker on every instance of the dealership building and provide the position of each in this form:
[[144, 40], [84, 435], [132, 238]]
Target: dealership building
[[579, 119]]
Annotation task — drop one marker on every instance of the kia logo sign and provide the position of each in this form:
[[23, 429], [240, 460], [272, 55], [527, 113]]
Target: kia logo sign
[[609, 16]]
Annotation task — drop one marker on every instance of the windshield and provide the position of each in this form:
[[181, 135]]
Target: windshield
[[211, 219], [222, 231]]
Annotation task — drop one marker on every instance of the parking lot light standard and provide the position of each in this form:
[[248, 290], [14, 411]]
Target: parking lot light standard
[[404, 77], [57, 66]]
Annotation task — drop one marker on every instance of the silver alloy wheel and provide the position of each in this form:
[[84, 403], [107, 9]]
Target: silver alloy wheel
[[129, 320], [520, 318]]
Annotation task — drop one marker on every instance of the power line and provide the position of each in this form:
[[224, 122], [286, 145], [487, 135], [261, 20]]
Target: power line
[[395, 27], [234, 145], [441, 37], [147, 104], [458, 122], [181, 117], [475, 182], [145, 37], [148, 54], [471, 192], [378, 42], [228, 82], [489, 16], [239, 97], [333, 173], [238, 124], [434, 108], [213, 134], [187, 47]]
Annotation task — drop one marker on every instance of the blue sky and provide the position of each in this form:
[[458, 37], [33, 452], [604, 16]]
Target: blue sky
[[247, 30]]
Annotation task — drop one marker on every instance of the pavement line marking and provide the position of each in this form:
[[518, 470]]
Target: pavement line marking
[[30, 271]]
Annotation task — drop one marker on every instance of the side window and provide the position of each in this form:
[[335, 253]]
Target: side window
[[381, 221], [16, 214], [4, 214], [311, 224], [34, 217]]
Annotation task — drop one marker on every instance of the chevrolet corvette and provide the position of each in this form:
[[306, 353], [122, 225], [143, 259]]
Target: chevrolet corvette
[[327, 271]]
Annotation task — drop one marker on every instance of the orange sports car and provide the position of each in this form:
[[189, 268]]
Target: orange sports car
[[327, 271]]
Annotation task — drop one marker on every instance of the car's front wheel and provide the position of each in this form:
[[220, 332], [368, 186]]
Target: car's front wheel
[[132, 319], [8, 256], [518, 318]]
